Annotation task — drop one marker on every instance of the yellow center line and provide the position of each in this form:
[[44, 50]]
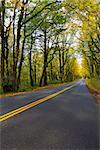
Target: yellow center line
[[26, 107]]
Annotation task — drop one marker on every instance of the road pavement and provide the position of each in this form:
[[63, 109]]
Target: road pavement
[[70, 121], [11, 103]]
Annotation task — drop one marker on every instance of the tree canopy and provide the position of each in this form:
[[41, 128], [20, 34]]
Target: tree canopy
[[41, 40]]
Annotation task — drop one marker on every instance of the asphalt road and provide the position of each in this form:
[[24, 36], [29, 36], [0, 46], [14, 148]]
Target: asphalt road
[[70, 121], [11, 103]]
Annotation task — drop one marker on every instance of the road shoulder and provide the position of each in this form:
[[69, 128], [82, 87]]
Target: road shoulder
[[95, 92]]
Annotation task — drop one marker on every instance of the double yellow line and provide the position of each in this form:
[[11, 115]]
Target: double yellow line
[[26, 107]]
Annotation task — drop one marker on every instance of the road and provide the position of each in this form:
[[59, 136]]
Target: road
[[69, 121]]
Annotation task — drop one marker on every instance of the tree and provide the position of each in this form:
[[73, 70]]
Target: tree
[[2, 19], [46, 37]]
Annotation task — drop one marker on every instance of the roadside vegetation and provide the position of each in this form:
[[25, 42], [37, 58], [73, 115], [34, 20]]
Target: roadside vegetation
[[26, 89], [94, 83], [94, 86], [48, 42]]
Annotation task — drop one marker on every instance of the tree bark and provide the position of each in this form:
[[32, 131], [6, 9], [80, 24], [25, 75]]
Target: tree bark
[[6, 57], [16, 54], [14, 61], [62, 68], [51, 71], [45, 59], [20, 65], [43, 80], [22, 57], [2, 14], [30, 63], [35, 72], [60, 65]]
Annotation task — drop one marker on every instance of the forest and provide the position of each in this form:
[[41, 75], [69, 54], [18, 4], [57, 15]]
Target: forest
[[48, 41]]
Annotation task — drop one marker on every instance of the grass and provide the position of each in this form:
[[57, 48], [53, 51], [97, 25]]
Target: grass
[[24, 88], [54, 82], [1, 91], [27, 88], [93, 83]]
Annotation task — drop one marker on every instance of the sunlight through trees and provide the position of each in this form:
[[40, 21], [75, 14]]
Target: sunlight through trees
[[42, 39]]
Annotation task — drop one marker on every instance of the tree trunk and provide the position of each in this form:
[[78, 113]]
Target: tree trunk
[[51, 71], [22, 57], [20, 65], [60, 65], [16, 54], [30, 64], [2, 14], [14, 68], [35, 72], [6, 57], [43, 80], [62, 68], [31, 78], [45, 59]]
